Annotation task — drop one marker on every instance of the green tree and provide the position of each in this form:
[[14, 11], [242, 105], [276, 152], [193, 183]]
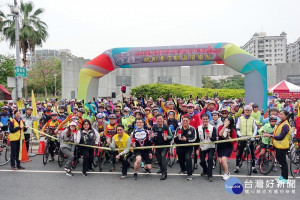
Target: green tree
[[6, 68], [208, 82], [234, 82], [33, 31], [42, 74]]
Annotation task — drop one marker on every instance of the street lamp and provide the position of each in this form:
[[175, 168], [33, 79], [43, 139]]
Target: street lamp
[[55, 75]]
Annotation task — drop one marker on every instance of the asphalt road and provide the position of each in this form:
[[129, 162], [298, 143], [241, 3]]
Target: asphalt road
[[50, 182]]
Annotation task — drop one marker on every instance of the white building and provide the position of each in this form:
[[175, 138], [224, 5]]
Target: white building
[[293, 52], [269, 49], [46, 54]]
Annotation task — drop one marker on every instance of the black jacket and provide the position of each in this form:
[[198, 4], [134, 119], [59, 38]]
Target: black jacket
[[190, 134]]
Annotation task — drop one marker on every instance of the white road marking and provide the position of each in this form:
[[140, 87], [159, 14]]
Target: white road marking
[[116, 173]]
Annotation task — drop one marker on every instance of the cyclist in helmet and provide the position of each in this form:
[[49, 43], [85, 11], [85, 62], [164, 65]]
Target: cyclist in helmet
[[62, 115], [256, 114], [100, 124], [4, 118], [47, 113], [118, 114], [216, 120], [52, 125], [152, 121], [79, 114], [109, 132], [127, 119], [224, 113], [148, 115], [246, 127], [171, 121], [267, 128], [169, 107], [137, 114], [272, 111]]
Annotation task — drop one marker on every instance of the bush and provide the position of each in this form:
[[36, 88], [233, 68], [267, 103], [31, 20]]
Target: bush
[[183, 91]]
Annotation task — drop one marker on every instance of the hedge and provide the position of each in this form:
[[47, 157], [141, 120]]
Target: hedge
[[183, 91]]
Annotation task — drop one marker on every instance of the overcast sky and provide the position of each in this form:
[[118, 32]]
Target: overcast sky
[[90, 27]]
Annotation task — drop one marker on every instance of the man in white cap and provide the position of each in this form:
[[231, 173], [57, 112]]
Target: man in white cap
[[29, 119], [246, 127]]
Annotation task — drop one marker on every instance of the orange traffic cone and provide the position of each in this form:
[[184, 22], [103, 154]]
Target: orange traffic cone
[[24, 153], [41, 148]]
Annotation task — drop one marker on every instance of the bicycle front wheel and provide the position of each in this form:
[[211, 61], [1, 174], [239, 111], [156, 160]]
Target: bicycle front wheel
[[4, 155], [266, 163], [95, 159], [248, 160], [46, 153], [171, 156], [60, 159], [294, 163]]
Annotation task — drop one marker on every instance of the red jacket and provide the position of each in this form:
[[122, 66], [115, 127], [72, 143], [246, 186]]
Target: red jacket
[[195, 121]]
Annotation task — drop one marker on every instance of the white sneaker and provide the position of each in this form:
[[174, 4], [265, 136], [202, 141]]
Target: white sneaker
[[226, 176]]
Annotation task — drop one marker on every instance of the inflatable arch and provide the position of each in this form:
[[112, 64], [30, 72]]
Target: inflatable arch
[[255, 71]]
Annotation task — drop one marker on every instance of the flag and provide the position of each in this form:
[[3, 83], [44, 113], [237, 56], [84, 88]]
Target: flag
[[35, 124], [20, 104], [69, 109]]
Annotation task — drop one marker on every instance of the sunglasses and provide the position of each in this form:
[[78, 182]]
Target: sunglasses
[[224, 113], [190, 107]]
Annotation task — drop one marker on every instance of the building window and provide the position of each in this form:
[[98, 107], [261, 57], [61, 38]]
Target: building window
[[123, 80], [164, 79]]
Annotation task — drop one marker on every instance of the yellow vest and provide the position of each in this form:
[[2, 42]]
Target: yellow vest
[[246, 126], [16, 136], [122, 142], [285, 143]]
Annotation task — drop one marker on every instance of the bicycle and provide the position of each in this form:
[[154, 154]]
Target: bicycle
[[246, 156], [46, 151], [294, 157], [171, 155], [99, 156], [47, 147], [257, 145], [267, 161], [77, 155], [4, 148], [61, 158]]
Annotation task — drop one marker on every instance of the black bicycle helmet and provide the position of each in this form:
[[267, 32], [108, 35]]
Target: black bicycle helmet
[[274, 109], [272, 118], [81, 110]]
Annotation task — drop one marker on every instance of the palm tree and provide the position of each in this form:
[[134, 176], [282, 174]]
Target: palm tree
[[33, 31], [2, 16]]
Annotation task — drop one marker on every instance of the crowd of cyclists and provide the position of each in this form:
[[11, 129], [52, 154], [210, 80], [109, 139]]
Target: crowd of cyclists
[[145, 122]]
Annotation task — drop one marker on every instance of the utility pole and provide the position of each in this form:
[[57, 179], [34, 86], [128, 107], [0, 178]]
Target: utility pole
[[16, 11]]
